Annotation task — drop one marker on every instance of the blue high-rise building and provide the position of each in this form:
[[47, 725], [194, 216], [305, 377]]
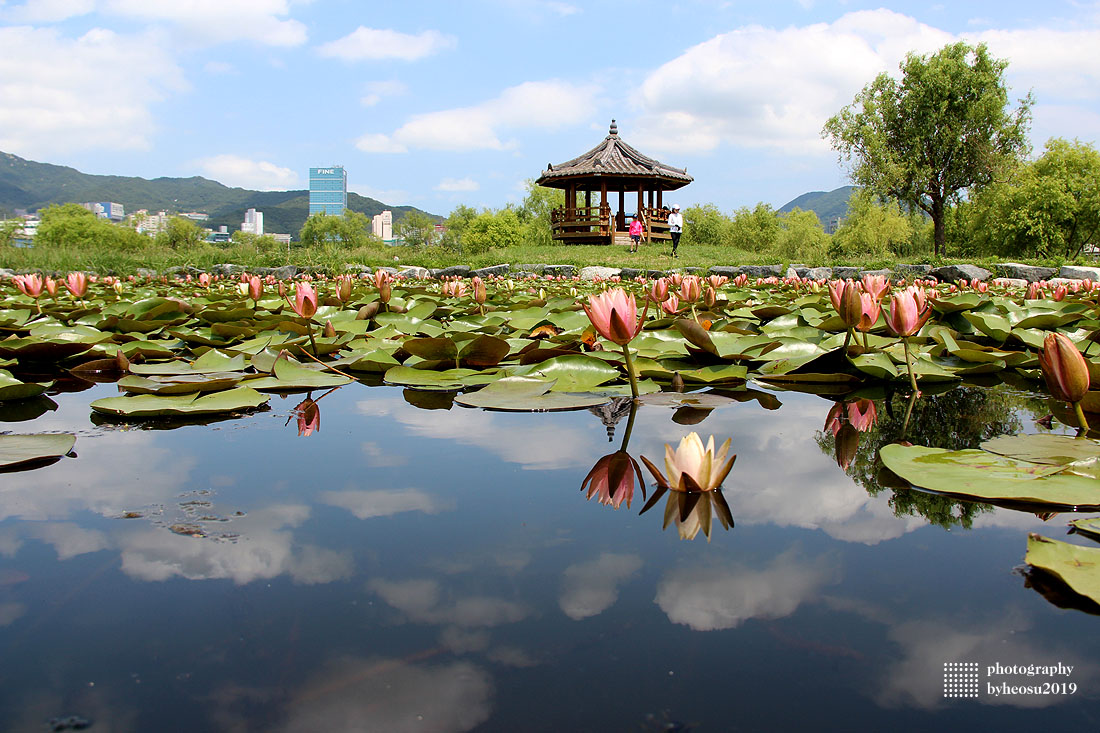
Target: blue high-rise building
[[328, 190]]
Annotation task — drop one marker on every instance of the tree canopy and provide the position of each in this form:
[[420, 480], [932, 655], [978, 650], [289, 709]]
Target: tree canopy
[[943, 129], [351, 230]]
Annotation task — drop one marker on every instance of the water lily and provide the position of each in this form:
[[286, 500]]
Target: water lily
[[1065, 372], [862, 414], [343, 288], [614, 314], [612, 479], [30, 285], [305, 300], [909, 311], [693, 466], [255, 288], [77, 284], [308, 413], [658, 291], [869, 309], [875, 285]]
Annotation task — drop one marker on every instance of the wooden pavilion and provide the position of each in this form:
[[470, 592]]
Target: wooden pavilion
[[611, 167]]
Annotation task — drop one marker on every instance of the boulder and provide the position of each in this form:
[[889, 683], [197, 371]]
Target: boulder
[[1075, 272], [603, 273], [144, 272], [761, 270], [1009, 282], [818, 273], [452, 271], [730, 272], [559, 270], [1017, 271], [537, 269], [629, 273], [413, 273], [955, 273], [496, 270], [227, 270], [844, 273], [911, 272], [286, 272]]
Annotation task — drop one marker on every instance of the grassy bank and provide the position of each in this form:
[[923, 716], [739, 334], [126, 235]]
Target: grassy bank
[[112, 261]]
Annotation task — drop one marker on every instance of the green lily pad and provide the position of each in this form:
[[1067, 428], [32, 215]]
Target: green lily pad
[[571, 373], [14, 389], [293, 375], [17, 449], [987, 475], [1078, 567], [149, 406], [451, 379], [1089, 527], [1044, 448], [524, 394], [212, 361], [180, 383]]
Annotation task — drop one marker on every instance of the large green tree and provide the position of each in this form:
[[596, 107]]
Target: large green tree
[[350, 231], [416, 229], [944, 128], [1048, 207], [71, 225], [873, 228], [756, 229]]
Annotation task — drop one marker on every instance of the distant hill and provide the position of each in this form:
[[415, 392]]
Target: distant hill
[[828, 205], [25, 184]]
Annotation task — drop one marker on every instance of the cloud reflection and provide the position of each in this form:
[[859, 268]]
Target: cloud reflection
[[590, 588], [394, 696], [710, 599], [385, 503], [422, 601]]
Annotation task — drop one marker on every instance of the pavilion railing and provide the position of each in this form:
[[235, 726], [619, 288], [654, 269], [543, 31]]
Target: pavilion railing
[[581, 223]]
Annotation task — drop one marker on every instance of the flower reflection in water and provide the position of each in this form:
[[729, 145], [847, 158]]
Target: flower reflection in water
[[846, 420], [613, 477], [307, 413], [693, 475]]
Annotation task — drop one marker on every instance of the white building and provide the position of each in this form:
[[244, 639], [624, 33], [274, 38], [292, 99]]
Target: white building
[[253, 222], [382, 225], [151, 224], [106, 210]]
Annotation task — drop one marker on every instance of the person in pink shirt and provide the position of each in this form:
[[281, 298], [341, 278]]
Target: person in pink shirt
[[635, 234]]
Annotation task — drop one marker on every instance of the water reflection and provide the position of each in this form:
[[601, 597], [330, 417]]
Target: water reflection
[[589, 588], [724, 597], [960, 418]]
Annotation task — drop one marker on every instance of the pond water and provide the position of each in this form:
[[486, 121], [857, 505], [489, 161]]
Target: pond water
[[411, 569]]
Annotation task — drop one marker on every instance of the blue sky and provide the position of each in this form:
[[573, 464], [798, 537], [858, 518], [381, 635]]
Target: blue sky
[[434, 104]]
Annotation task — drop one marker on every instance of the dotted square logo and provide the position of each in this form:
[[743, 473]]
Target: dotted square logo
[[960, 679]]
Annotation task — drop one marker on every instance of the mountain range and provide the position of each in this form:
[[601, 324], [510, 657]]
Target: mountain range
[[28, 185]]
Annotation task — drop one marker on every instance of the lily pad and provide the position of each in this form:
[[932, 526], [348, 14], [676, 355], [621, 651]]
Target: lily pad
[[524, 394], [14, 389], [19, 449], [1044, 448], [149, 406], [987, 475], [1078, 567], [292, 375]]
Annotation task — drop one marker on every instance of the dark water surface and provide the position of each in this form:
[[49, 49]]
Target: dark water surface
[[406, 569]]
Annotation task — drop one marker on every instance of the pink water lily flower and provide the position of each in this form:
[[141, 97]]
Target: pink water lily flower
[[876, 285], [305, 300], [862, 414], [614, 314], [908, 312], [77, 284], [29, 284], [612, 479]]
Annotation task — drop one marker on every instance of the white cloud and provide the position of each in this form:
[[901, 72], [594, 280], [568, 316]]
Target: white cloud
[[49, 11], [218, 67], [261, 175], [67, 539], [381, 694], [375, 91], [592, 587], [66, 94], [385, 503], [374, 44], [770, 87], [457, 184], [218, 21], [542, 105], [709, 599]]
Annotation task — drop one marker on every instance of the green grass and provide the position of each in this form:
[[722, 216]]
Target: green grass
[[107, 261]]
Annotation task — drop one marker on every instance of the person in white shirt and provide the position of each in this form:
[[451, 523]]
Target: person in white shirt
[[675, 227]]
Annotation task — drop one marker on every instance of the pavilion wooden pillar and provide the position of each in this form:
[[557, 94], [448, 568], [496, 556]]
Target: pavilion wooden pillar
[[641, 194], [588, 198], [659, 192], [604, 224], [620, 215]]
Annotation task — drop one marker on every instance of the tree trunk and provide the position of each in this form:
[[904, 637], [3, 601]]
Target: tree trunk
[[939, 228]]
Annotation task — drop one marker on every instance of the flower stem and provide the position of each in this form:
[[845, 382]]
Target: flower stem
[[309, 330], [630, 371], [629, 425], [909, 366], [1081, 421]]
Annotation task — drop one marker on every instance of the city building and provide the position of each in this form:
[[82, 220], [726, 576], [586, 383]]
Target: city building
[[328, 190], [106, 210], [253, 222], [151, 224], [382, 225]]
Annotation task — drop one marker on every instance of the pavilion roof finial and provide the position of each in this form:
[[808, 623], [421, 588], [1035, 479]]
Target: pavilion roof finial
[[614, 128]]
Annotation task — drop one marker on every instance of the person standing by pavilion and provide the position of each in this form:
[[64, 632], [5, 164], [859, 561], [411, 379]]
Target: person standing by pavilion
[[635, 234], [675, 227]]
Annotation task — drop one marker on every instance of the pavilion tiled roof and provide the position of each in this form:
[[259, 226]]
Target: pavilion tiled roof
[[614, 158]]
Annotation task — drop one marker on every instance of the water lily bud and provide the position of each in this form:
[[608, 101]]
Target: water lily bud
[[851, 305], [343, 290], [329, 331], [1064, 369]]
